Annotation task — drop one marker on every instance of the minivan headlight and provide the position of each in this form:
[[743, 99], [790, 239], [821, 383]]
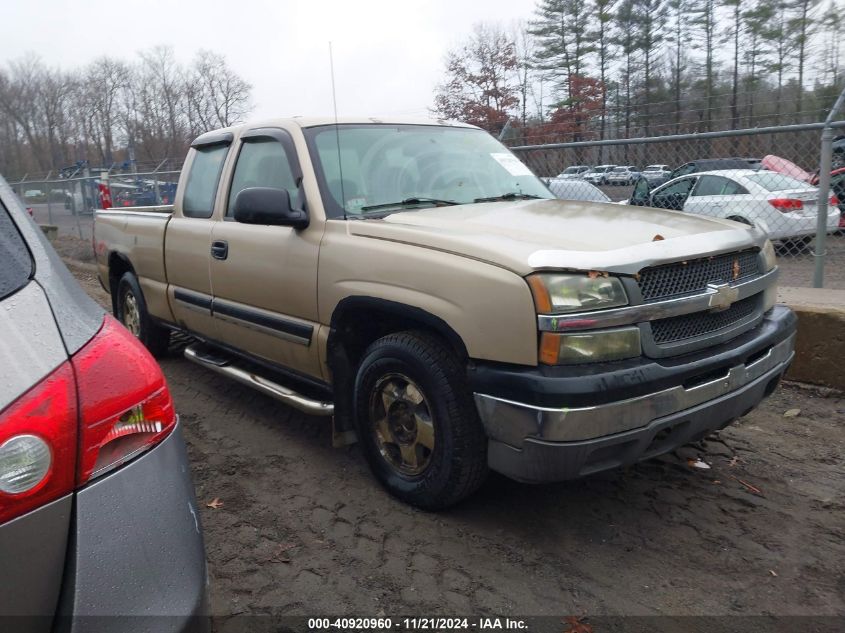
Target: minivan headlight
[[561, 293]]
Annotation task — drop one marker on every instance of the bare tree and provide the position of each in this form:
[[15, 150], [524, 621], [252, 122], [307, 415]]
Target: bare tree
[[678, 16], [216, 95], [602, 44], [802, 25]]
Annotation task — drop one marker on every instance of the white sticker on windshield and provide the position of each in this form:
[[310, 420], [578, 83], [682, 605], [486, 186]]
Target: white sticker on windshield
[[510, 162]]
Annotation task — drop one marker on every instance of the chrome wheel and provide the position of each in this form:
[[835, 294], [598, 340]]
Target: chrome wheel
[[401, 423], [131, 314]]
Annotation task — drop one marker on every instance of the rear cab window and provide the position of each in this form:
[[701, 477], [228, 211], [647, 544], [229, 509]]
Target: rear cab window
[[201, 187], [17, 267]]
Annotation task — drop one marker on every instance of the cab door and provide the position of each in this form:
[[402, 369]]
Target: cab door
[[186, 240], [264, 278]]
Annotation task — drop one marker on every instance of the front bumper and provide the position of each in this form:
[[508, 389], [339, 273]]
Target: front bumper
[[620, 413]]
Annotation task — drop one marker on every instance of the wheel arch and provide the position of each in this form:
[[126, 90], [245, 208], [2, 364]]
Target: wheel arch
[[358, 321], [379, 317], [119, 265]]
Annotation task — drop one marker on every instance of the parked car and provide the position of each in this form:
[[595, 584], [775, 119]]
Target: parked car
[[575, 172], [707, 164], [624, 175], [839, 152], [783, 207], [577, 190], [753, 163], [656, 174], [598, 175], [97, 509], [455, 322]]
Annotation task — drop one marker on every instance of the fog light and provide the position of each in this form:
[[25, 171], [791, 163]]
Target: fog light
[[589, 347], [24, 463]]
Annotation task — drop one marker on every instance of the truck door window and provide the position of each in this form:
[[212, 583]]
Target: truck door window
[[202, 181], [261, 163]]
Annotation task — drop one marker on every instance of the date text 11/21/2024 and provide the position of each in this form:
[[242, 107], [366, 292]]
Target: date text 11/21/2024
[[417, 624]]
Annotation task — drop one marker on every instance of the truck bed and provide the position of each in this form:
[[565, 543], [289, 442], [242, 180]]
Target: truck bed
[[137, 235]]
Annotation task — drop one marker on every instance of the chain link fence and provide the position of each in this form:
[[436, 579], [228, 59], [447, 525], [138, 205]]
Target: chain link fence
[[69, 203], [766, 177]]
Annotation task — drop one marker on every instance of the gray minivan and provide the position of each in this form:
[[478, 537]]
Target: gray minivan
[[98, 520]]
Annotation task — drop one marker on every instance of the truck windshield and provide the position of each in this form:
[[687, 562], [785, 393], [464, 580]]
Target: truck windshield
[[361, 167]]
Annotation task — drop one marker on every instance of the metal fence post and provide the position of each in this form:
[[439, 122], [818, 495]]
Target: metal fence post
[[824, 194]]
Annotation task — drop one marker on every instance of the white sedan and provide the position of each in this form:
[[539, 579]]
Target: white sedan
[[783, 207]]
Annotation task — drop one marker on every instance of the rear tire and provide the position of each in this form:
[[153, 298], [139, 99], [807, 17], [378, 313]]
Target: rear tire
[[417, 422], [131, 311]]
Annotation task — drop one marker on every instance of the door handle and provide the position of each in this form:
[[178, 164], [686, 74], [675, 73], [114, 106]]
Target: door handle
[[220, 249]]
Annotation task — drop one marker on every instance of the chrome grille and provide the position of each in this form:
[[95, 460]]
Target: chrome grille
[[697, 324], [680, 278]]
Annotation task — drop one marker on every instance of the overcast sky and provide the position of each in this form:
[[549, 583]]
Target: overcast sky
[[388, 54]]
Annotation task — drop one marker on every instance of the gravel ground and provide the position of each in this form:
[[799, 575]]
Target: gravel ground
[[304, 529]]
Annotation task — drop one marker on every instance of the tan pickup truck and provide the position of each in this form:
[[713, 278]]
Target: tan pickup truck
[[418, 283]]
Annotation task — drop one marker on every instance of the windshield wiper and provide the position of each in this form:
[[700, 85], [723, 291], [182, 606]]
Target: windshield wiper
[[410, 202], [513, 195]]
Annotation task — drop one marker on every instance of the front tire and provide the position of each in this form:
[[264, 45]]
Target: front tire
[[417, 422], [131, 311]]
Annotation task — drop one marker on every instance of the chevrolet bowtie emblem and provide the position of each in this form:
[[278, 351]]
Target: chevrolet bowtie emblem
[[723, 296]]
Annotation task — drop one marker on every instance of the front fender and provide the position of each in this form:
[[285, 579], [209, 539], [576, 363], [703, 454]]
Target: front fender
[[490, 308]]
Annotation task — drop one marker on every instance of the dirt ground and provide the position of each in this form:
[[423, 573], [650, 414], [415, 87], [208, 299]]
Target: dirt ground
[[304, 529]]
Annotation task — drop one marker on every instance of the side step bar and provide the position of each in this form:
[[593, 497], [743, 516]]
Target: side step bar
[[229, 367]]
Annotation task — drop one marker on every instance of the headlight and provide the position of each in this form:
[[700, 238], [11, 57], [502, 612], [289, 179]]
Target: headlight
[[769, 255], [557, 294], [589, 347]]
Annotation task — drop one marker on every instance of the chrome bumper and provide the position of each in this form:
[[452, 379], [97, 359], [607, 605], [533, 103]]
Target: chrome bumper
[[512, 422]]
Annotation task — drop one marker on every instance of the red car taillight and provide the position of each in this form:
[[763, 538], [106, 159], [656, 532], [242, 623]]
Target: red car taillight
[[109, 402], [785, 205], [124, 404]]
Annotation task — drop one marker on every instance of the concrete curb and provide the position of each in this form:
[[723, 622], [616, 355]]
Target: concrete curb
[[820, 346]]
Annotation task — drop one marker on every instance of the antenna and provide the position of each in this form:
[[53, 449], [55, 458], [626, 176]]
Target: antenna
[[337, 133]]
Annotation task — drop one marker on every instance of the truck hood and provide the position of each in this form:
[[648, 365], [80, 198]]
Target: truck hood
[[531, 235]]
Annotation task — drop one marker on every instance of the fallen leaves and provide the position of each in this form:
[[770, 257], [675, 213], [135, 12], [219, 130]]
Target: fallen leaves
[[773, 573], [214, 504], [698, 463], [792, 413], [750, 488], [658, 238], [280, 555]]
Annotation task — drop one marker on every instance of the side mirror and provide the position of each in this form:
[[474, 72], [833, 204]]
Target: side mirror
[[267, 205]]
